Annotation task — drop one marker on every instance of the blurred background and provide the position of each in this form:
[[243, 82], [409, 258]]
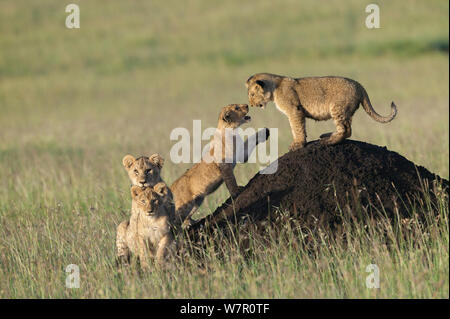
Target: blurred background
[[73, 102]]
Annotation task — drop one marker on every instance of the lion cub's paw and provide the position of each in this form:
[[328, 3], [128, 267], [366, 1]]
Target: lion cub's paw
[[263, 135], [325, 135], [296, 145], [327, 141]]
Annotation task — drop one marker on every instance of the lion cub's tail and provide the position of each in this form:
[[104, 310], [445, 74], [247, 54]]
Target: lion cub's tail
[[377, 117]]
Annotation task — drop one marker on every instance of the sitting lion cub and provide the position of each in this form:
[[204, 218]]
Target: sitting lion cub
[[148, 233], [145, 171], [205, 177]]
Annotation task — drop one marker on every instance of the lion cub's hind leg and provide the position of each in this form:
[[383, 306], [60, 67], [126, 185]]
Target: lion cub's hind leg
[[196, 203], [343, 124]]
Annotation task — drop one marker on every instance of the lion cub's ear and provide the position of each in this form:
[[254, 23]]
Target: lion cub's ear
[[135, 191], [260, 83], [161, 189], [127, 161], [157, 160]]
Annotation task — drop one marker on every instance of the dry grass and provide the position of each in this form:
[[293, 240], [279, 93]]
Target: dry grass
[[73, 102]]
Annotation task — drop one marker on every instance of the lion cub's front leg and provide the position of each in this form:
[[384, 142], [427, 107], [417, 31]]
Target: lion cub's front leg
[[290, 105], [164, 249], [226, 170], [252, 141], [297, 122], [144, 253]]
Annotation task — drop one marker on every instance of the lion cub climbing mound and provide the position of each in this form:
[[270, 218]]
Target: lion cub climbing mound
[[148, 233], [205, 177], [318, 98]]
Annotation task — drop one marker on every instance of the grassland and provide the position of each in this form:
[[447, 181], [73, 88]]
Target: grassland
[[74, 102]]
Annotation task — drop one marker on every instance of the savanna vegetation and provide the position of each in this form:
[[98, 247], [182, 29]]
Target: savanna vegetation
[[74, 102]]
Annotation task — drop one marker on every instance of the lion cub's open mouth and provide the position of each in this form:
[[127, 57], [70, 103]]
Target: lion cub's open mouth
[[247, 118]]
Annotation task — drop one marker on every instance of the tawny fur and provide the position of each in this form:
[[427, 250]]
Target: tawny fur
[[144, 171], [148, 233], [205, 177], [318, 98]]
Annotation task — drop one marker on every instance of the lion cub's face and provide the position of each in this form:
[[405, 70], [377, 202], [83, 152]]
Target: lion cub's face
[[143, 171], [234, 115], [149, 200], [256, 94]]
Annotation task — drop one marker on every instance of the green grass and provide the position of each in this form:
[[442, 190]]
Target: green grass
[[74, 102]]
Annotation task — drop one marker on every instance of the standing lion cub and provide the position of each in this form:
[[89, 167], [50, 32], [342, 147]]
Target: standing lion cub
[[318, 98]]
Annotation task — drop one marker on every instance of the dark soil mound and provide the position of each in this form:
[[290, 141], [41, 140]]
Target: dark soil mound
[[316, 183]]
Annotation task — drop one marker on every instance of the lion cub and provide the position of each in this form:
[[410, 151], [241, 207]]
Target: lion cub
[[318, 98], [205, 177], [148, 233], [144, 171]]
